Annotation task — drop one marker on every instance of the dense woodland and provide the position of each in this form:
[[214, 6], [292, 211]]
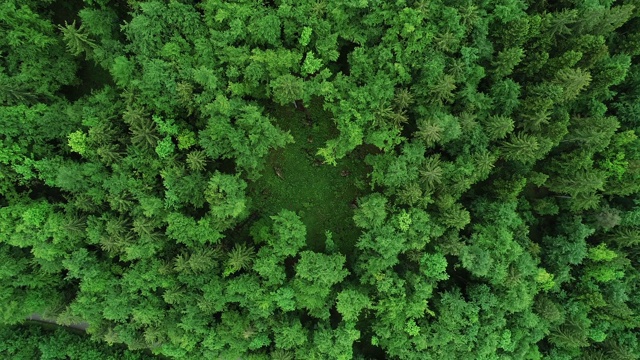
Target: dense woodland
[[320, 179]]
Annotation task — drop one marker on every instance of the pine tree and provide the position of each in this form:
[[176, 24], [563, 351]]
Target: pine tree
[[446, 41], [569, 335], [558, 23], [428, 132], [573, 81], [280, 354], [521, 147], [240, 258], [143, 132], [498, 127], [507, 60], [287, 89], [578, 182], [431, 172], [77, 39], [626, 237], [484, 162], [536, 119], [403, 99], [109, 154], [197, 160], [442, 90], [12, 93]]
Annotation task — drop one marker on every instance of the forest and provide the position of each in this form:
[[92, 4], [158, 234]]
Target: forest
[[320, 179]]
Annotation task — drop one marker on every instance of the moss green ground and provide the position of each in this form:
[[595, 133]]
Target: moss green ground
[[321, 194]]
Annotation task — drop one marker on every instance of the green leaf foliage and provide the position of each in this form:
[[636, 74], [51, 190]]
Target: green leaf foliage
[[319, 179]]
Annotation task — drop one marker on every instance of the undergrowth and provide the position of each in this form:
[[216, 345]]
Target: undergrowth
[[324, 196]]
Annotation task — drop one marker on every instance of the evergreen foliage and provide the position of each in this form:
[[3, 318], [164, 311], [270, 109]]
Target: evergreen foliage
[[320, 179]]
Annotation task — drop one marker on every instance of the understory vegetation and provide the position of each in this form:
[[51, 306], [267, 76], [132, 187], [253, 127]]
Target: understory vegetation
[[320, 179]]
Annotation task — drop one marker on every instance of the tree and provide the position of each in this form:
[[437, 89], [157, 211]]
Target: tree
[[350, 303], [442, 89], [290, 336], [287, 89], [507, 60], [498, 127], [240, 258], [77, 40], [288, 234], [431, 172], [579, 182], [197, 160], [225, 194], [573, 82], [315, 275], [371, 211], [521, 147], [493, 184]]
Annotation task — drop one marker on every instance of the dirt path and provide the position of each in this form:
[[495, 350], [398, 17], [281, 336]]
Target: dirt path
[[82, 326]]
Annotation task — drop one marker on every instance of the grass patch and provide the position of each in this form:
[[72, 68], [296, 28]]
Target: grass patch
[[322, 195]]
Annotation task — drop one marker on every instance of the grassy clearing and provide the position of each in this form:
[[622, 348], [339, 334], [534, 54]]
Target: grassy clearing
[[321, 194]]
